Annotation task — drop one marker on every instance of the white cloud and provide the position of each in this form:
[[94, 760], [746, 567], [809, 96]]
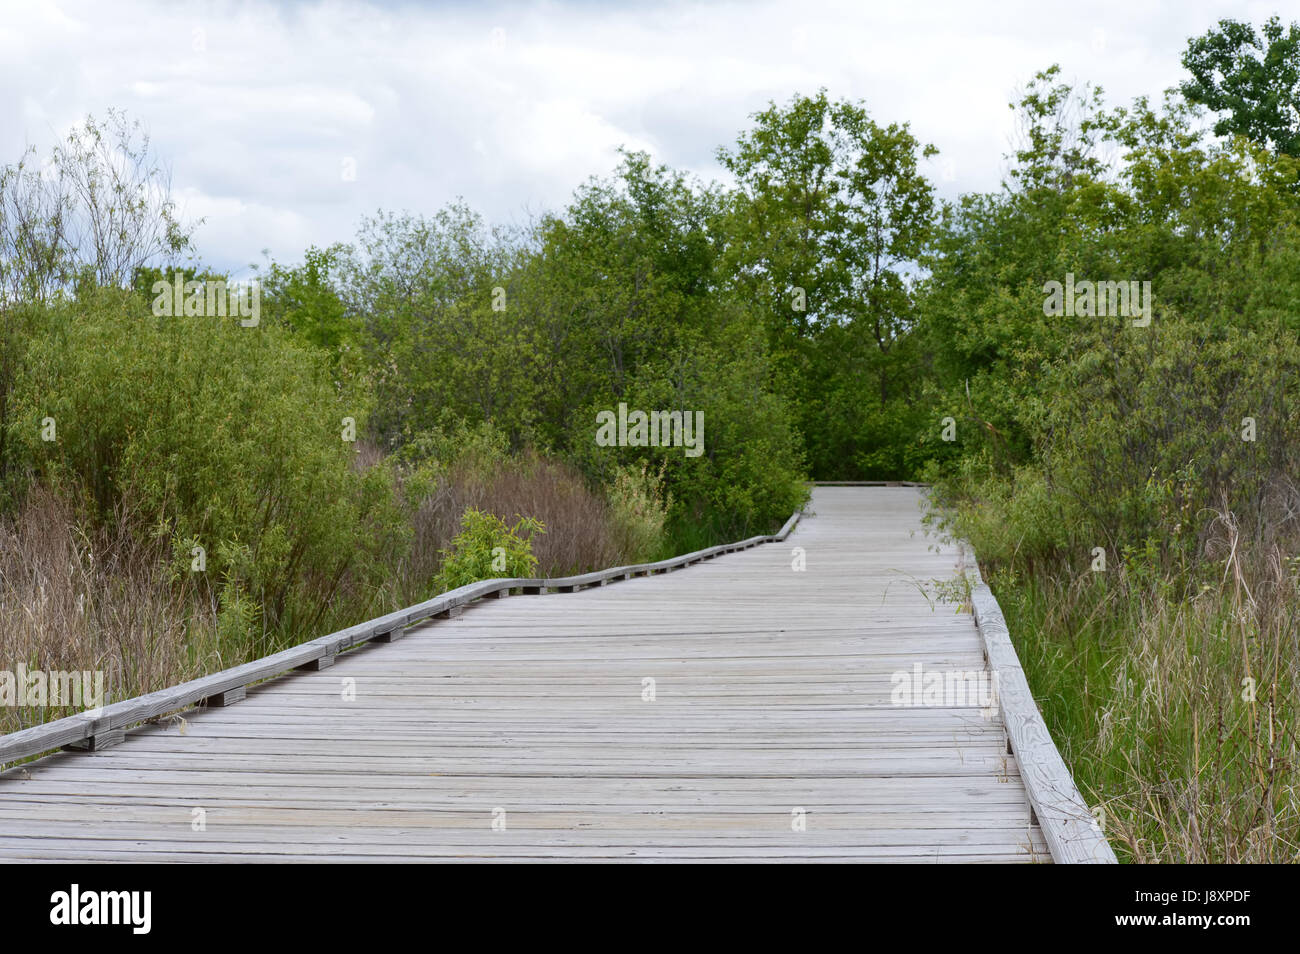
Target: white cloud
[[256, 106]]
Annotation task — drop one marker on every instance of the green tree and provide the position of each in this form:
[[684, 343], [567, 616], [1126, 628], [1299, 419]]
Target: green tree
[[438, 326], [1252, 76], [305, 299], [627, 303], [825, 232], [97, 211], [212, 434]]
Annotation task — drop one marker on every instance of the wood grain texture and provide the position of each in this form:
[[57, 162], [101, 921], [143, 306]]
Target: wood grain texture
[[525, 729], [1067, 823]]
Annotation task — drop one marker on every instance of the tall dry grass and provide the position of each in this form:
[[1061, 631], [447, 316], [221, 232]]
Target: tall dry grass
[[73, 600], [1175, 707], [578, 537], [80, 594]]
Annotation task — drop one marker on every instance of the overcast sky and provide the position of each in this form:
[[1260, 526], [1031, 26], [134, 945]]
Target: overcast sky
[[262, 109]]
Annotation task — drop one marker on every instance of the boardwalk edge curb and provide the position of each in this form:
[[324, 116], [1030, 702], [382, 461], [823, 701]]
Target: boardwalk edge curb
[[1071, 831]]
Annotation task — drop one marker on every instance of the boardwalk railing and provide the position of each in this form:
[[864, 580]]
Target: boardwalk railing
[[1071, 831], [99, 728]]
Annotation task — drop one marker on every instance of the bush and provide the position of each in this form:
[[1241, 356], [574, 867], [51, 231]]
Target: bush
[[224, 435], [580, 533], [639, 506], [1139, 437], [487, 548]]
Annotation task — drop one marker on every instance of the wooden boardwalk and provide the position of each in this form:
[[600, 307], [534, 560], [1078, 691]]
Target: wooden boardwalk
[[524, 730]]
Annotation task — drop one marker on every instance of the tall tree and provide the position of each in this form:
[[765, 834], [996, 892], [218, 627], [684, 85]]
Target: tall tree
[[831, 215], [1253, 77]]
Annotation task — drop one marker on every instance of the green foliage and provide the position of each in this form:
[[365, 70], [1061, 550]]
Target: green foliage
[[1172, 446], [1145, 432], [487, 548], [221, 434], [1253, 77], [665, 335], [831, 215], [95, 211], [639, 507], [1091, 431], [305, 301], [436, 337], [622, 289], [480, 447]]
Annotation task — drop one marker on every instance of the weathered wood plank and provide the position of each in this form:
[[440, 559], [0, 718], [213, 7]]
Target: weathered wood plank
[[225, 699]]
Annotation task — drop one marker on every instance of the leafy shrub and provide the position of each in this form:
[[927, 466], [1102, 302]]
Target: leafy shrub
[[226, 435], [639, 506], [486, 548], [580, 533]]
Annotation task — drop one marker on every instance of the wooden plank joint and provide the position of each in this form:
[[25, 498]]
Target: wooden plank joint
[[228, 698], [101, 740]]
